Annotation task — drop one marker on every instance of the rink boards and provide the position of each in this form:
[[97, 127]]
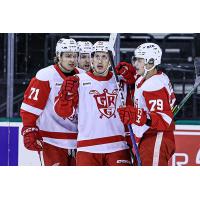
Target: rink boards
[[13, 153]]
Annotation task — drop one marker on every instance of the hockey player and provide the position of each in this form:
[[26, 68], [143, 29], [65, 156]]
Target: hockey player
[[42, 129], [85, 50], [101, 134], [151, 117]]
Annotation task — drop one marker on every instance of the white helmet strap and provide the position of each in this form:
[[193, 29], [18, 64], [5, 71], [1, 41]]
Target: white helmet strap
[[147, 70]]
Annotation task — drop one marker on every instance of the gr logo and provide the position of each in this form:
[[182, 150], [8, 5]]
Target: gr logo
[[179, 159]]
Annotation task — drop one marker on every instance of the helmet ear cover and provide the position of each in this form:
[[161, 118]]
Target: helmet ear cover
[[151, 61]]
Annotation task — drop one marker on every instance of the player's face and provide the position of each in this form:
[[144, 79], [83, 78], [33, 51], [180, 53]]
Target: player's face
[[101, 63], [69, 60], [84, 61], [139, 65]]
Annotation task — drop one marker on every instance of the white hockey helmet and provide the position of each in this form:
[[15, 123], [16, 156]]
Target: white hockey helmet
[[151, 53], [102, 46], [66, 45], [85, 47]]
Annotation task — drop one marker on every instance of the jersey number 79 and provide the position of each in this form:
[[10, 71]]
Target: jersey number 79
[[156, 104]]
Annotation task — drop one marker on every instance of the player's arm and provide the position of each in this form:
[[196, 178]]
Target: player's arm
[[34, 102], [159, 116], [127, 72], [67, 99], [35, 99]]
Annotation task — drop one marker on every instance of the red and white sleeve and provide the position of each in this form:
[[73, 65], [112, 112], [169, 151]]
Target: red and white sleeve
[[35, 99], [158, 103]]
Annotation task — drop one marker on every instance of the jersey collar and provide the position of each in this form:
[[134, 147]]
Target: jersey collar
[[61, 73], [101, 78], [143, 79]]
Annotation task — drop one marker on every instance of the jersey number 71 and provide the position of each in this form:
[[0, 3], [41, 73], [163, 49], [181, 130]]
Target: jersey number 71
[[35, 92]]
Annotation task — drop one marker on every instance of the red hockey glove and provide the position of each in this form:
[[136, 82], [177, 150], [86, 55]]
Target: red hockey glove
[[67, 97], [32, 140], [69, 89], [131, 115], [127, 71]]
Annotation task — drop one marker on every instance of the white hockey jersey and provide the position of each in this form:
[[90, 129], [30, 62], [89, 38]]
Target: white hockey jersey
[[155, 95], [100, 129], [38, 108]]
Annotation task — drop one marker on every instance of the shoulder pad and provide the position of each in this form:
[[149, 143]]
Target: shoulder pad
[[45, 74]]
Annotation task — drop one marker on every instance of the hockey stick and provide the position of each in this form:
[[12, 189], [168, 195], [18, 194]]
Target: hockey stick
[[40, 157], [112, 40], [177, 108]]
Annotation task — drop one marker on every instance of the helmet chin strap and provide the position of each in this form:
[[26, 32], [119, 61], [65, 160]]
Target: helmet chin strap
[[147, 70]]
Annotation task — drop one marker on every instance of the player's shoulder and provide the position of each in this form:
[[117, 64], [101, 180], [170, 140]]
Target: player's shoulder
[[79, 70], [82, 74], [164, 78], [156, 82], [138, 80], [45, 74]]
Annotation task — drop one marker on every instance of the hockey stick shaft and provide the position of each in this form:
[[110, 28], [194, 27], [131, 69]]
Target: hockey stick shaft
[[177, 108], [123, 103], [40, 157]]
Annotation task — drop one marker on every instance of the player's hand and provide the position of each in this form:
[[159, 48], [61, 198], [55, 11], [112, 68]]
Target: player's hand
[[69, 89], [32, 140], [131, 115], [67, 98], [127, 71]]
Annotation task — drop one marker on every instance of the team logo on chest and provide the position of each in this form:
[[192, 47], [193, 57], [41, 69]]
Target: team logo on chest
[[106, 102]]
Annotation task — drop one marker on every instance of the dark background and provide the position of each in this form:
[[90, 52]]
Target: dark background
[[35, 51]]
